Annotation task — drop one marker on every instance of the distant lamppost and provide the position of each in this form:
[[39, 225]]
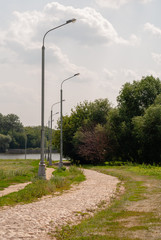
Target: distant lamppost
[[25, 145], [61, 120], [51, 121], [48, 133], [46, 139], [41, 171]]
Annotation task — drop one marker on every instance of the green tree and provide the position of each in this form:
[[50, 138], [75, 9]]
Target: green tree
[[86, 113], [33, 136], [147, 130], [133, 100], [1, 123], [11, 123], [92, 144], [18, 140], [4, 142]]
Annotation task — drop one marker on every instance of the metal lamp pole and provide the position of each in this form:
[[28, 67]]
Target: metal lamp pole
[[61, 120], [41, 171], [50, 158], [25, 146], [51, 116]]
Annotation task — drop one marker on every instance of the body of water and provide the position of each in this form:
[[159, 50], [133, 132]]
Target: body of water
[[55, 156]]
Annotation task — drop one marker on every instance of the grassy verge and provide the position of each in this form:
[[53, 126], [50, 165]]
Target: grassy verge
[[17, 171], [61, 180], [136, 215]]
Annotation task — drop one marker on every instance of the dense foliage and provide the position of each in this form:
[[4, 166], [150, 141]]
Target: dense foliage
[[14, 135], [95, 132], [86, 115], [12, 131], [4, 142]]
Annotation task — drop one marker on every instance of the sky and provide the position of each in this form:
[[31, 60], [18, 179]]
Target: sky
[[111, 43]]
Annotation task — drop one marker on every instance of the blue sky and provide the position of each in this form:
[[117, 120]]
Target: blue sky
[[111, 43]]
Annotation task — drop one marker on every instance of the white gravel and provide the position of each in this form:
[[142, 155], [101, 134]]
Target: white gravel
[[35, 220]]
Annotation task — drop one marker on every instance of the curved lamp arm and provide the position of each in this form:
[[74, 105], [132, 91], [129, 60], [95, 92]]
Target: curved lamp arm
[[67, 22], [69, 78]]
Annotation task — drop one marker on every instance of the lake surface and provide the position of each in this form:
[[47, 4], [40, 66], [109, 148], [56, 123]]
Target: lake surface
[[55, 156]]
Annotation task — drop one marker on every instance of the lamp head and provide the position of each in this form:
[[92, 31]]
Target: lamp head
[[76, 74], [71, 20]]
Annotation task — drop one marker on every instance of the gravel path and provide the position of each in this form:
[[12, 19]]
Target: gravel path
[[35, 220]]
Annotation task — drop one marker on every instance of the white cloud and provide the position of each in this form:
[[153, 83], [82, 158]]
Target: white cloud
[[157, 58], [109, 74], [153, 29], [111, 3], [115, 4], [62, 63], [23, 28], [27, 28], [7, 56], [92, 27], [130, 74], [146, 1]]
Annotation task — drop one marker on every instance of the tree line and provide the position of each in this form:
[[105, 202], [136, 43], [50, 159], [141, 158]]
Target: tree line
[[96, 132], [13, 135]]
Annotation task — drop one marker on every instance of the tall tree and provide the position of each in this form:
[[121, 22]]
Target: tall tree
[[136, 97], [133, 100], [33, 136], [11, 123], [86, 113], [92, 144], [147, 130], [4, 142]]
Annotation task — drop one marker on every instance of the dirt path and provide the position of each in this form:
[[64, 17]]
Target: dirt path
[[35, 220], [150, 209], [139, 214]]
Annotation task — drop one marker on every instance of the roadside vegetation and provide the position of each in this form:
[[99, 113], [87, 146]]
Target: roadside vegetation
[[18, 171], [134, 215], [96, 132]]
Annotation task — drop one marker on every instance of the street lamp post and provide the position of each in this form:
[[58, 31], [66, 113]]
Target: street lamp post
[[41, 171], [50, 158], [51, 119], [61, 120], [25, 146]]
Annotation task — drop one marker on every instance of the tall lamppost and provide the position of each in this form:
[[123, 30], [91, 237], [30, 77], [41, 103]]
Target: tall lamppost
[[61, 120], [41, 171]]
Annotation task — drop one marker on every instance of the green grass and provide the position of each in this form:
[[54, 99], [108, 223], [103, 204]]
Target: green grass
[[17, 171], [73, 174], [126, 218], [61, 180], [147, 170]]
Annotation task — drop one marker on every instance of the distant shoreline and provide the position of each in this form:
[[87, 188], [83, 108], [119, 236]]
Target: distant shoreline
[[28, 150]]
